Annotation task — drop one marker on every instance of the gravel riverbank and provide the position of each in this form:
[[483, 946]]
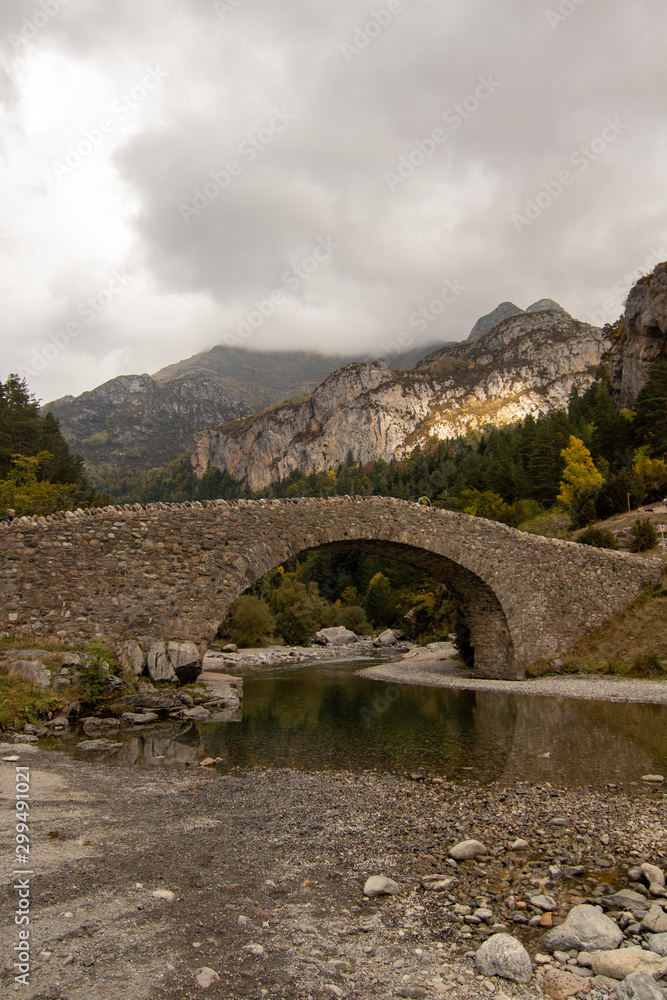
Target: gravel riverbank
[[260, 876], [432, 670]]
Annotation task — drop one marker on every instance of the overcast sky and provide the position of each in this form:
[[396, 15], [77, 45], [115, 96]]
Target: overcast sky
[[332, 175]]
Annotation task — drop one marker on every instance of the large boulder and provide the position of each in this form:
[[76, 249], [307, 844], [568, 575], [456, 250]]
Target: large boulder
[[158, 664], [185, 660], [621, 962], [586, 928], [31, 670], [338, 635], [653, 874], [131, 657], [502, 955], [625, 899], [639, 986], [387, 638]]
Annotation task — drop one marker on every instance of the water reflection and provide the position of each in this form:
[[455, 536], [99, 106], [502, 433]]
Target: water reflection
[[164, 744], [323, 717]]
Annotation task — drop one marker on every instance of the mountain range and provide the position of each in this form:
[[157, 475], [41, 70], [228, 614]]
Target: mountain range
[[139, 422], [526, 364], [261, 415]]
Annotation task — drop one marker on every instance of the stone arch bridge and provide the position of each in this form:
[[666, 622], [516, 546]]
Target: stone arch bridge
[[173, 570]]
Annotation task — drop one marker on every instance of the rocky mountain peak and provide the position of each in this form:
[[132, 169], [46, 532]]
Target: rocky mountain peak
[[505, 310], [526, 363], [486, 323], [544, 305]]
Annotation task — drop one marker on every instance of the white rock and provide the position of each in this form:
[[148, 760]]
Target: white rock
[[206, 978], [337, 635], [254, 949], [586, 928], [386, 638], [519, 845], [621, 962], [543, 902], [657, 778], [467, 849], [653, 874], [131, 656], [502, 955], [166, 894], [30, 670], [158, 665], [380, 885]]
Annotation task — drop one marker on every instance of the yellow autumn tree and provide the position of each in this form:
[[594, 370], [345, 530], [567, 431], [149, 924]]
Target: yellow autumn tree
[[580, 478], [24, 492]]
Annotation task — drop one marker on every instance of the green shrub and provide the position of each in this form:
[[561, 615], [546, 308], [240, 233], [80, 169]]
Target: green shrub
[[91, 674], [644, 536], [251, 620], [600, 538]]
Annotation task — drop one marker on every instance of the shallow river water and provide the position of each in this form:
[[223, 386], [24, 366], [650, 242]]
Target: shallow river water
[[325, 717]]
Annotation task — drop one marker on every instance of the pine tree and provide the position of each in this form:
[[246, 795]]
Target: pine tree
[[650, 424]]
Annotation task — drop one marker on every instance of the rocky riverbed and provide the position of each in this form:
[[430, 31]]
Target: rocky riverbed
[[154, 883]]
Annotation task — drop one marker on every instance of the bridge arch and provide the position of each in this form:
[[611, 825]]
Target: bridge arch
[[490, 634], [173, 570]]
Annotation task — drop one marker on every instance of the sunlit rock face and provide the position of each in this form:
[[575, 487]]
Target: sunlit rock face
[[526, 364]]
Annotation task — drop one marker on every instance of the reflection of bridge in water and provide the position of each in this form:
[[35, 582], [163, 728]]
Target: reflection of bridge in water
[[587, 742], [174, 570], [319, 719]]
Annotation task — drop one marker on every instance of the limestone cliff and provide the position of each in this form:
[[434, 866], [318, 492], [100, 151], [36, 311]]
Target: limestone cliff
[[527, 363], [641, 336], [135, 422]]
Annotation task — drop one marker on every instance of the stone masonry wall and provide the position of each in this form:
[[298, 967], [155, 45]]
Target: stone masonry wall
[[174, 570]]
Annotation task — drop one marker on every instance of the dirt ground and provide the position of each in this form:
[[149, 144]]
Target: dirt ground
[[267, 870]]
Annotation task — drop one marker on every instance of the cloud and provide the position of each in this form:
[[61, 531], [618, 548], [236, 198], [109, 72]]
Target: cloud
[[267, 127]]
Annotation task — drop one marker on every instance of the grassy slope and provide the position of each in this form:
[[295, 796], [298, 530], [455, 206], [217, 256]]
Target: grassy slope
[[631, 642]]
